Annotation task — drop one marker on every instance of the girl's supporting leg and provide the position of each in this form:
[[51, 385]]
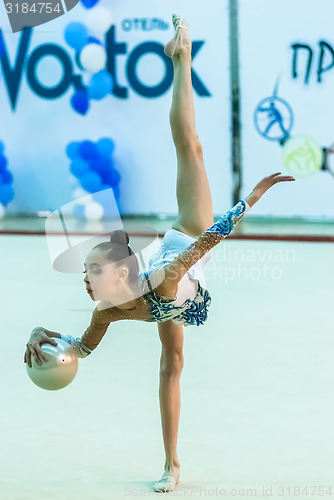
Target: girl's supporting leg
[[171, 365], [195, 213]]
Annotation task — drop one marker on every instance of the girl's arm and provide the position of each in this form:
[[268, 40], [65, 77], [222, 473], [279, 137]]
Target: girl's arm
[[93, 335], [176, 269]]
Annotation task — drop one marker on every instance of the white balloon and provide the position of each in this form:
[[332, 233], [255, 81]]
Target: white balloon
[[94, 211], [93, 57], [83, 197], [2, 211], [99, 20]]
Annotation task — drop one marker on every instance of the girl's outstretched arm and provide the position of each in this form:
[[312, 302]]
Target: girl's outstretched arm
[[176, 269], [266, 183], [102, 316], [92, 336]]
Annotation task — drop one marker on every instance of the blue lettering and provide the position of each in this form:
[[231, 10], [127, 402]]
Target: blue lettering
[[326, 51], [145, 24], [13, 75], [139, 87], [322, 68], [114, 49], [198, 85], [126, 25], [296, 47], [60, 54]]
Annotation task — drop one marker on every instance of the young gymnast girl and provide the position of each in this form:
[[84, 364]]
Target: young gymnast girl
[[172, 291]]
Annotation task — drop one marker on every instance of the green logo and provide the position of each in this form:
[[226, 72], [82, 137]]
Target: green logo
[[302, 155]]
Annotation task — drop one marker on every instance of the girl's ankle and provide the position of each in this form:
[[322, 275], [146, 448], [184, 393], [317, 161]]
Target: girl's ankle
[[182, 58], [172, 466]]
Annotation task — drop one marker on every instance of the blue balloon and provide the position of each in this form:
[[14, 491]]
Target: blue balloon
[[100, 85], [79, 167], [79, 211], [80, 102], [91, 182], [101, 165], [72, 150], [76, 35], [102, 196], [113, 178], [6, 177], [105, 146], [116, 192], [88, 150], [89, 3], [2, 147], [105, 177], [92, 39], [103, 187], [6, 194], [3, 163]]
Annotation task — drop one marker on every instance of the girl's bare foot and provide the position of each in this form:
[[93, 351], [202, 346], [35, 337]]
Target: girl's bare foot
[[181, 43], [168, 480]]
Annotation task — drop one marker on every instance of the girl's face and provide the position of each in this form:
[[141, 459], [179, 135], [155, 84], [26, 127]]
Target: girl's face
[[103, 279]]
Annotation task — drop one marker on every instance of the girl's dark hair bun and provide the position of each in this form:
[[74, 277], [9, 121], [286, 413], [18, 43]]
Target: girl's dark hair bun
[[119, 237]]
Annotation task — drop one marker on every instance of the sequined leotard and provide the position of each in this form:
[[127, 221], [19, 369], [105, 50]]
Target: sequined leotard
[[153, 307]]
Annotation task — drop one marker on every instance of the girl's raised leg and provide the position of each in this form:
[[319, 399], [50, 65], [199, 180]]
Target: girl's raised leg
[[193, 194]]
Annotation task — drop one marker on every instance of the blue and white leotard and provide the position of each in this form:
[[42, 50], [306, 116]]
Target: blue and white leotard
[[190, 307], [193, 299]]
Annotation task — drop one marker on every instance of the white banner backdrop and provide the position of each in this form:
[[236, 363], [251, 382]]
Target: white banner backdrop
[[287, 82], [36, 130]]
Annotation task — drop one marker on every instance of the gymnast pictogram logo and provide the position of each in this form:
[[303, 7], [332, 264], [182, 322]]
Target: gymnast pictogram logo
[[31, 13], [273, 118]]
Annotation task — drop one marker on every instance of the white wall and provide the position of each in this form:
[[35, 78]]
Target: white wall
[[267, 31]]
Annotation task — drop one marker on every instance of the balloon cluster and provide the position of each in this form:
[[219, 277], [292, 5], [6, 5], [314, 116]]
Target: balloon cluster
[[93, 166], [6, 181], [90, 56]]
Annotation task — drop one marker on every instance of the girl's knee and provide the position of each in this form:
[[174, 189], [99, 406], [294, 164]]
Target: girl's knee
[[197, 147], [171, 363], [189, 146]]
